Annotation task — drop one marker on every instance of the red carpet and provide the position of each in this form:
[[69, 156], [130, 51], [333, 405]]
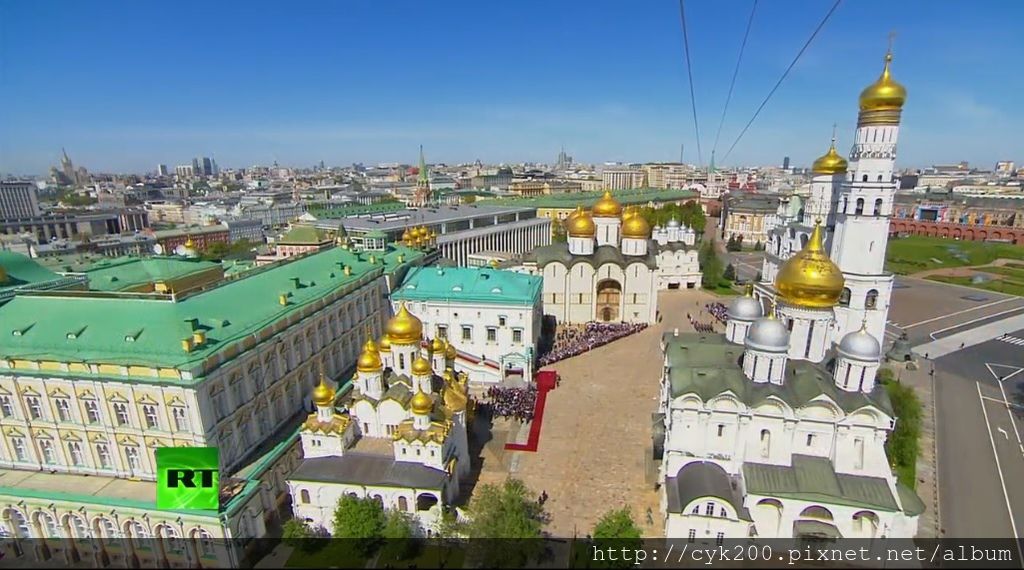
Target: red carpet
[[545, 383]]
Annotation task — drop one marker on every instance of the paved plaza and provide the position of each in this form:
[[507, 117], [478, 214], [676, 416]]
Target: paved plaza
[[596, 441]]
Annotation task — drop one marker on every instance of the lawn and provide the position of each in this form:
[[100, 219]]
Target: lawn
[[724, 290], [1008, 286], [916, 253], [1014, 271]]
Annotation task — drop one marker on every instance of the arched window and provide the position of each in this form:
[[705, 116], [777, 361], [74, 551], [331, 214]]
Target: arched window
[[864, 178], [844, 297], [879, 177], [304, 496], [403, 504], [871, 301], [878, 207], [860, 206], [766, 443]]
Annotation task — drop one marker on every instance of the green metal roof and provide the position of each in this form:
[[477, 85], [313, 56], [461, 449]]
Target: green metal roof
[[814, 479], [22, 270], [326, 213], [912, 504], [375, 234], [121, 273], [587, 199], [708, 365], [471, 284], [303, 235], [147, 330]]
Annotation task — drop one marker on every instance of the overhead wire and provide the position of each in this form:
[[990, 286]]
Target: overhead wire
[[784, 74], [689, 73], [735, 72]]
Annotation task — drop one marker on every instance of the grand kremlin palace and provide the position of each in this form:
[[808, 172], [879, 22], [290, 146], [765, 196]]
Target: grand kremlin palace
[[93, 382]]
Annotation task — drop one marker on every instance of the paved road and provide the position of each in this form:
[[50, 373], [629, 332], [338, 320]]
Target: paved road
[[980, 454]]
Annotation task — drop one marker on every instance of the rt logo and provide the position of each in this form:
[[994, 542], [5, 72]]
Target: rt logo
[[187, 478]]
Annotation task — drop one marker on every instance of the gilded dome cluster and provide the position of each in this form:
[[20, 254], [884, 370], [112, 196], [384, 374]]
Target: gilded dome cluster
[[607, 206], [580, 224], [810, 279], [418, 237], [369, 360]]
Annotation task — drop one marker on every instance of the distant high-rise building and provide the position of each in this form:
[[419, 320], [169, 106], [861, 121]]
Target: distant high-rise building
[[621, 178], [18, 199], [184, 170], [66, 166], [1005, 167], [564, 160], [214, 169], [785, 163], [197, 167], [161, 170]]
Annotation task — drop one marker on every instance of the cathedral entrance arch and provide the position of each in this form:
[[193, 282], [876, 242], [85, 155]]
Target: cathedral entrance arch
[[609, 293]]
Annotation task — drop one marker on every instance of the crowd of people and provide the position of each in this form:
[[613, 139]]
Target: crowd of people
[[516, 403], [716, 310], [573, 340]]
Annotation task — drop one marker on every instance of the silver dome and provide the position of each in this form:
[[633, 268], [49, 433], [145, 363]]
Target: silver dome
[[744, 309], [673, 223], [769, 335], [860, 345]]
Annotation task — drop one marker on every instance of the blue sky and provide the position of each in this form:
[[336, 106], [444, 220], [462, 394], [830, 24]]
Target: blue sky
[[125, 85]]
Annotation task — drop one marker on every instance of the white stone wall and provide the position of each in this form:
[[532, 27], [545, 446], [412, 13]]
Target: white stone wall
[[324, 497]]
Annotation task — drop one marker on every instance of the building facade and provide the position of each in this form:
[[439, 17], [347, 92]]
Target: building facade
[[493, 316], [18, 199], [107, 391]]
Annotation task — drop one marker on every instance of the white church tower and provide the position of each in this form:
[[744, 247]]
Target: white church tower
[[864, 207]]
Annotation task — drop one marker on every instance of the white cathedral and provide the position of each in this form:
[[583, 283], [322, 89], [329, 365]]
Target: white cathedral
[[612, 265], [777, 429], [399, 437]]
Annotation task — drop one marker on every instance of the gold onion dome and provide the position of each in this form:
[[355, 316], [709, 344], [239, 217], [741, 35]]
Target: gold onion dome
[[449, 351], [580, 224], [810, 279], [884, 94], [385, 343], [369, 359], [406, 235], [830, 162], [607, 206], [323, 395], [437, 346], [421, 366], [421, 403], [404, 327], [635, 226]]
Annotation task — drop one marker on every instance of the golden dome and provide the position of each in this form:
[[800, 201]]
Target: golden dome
[[580, 224], [830, 162], [421, 403], [422, 232], [421, 366], [634, 225], [884, 94], [437, 346], [369, 359], [810, 279], [385, 343], [407, 235], [189, 244], [323, 395], [607, 206], [404, 327], [449, 351]]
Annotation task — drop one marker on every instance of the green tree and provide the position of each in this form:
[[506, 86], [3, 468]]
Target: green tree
[[508, 511], [903, 444], [558, 232], [360, 519], [468, 199], [730, 272], [617, 523], [398, 533], [301, 535], [711, 267]]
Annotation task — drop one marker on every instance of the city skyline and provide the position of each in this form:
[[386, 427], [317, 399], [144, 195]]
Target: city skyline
[[348, 83]]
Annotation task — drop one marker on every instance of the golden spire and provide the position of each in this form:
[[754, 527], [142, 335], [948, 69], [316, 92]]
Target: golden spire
[[404, 328], [830, 162], [323, 394], [634, 225], [421, 404], [607, 206], [881, 102], [580, 224], [810, 279], [369, 359]]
